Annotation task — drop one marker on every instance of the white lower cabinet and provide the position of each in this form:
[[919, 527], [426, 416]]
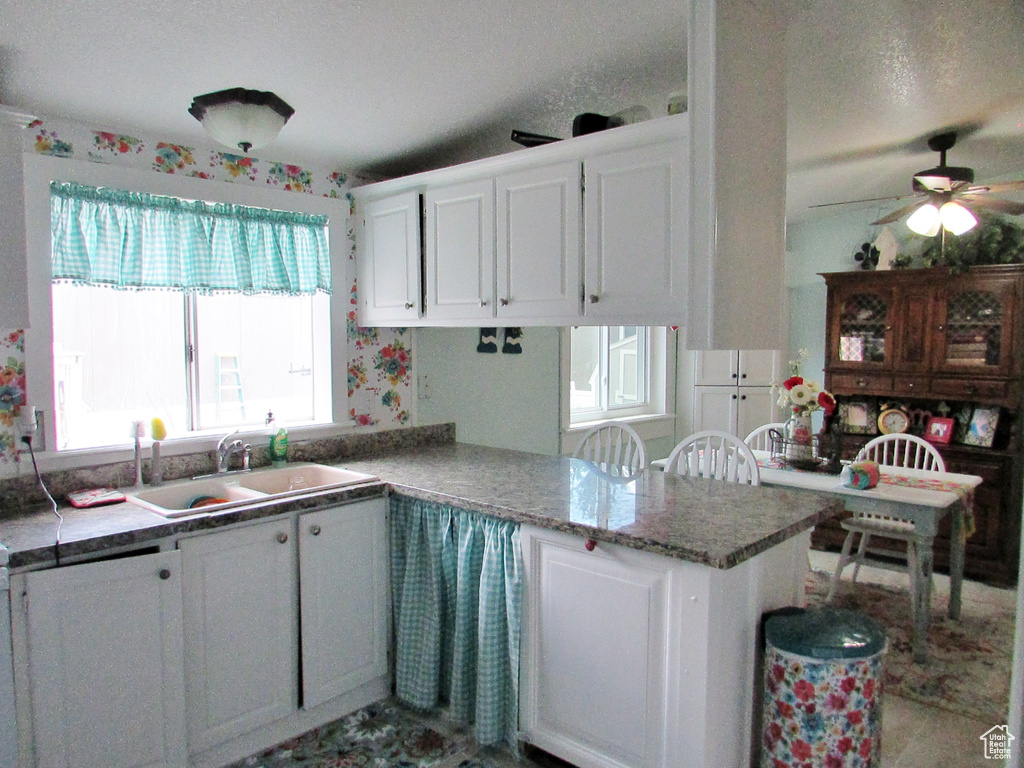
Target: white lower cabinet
[[104, 667], [637, 660], [235, 641], [240, 630]]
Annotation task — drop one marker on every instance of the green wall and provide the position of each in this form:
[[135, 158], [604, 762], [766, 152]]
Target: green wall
[[500, 400]]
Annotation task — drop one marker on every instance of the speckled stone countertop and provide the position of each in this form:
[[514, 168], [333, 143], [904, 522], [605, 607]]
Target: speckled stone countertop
[[711, 522]]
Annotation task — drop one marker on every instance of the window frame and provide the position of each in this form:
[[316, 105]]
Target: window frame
[[330, 395], [606, 410], [655, 421]]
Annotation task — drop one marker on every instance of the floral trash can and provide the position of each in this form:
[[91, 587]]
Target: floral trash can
[[822, 690]]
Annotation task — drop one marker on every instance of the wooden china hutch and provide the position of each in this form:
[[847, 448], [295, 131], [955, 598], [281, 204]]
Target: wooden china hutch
[[935, 343]]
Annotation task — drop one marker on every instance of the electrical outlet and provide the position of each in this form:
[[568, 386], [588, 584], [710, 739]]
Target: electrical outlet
[[423, 386]]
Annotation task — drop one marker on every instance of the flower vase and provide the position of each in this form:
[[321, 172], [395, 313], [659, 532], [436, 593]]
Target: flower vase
[[799, 438]]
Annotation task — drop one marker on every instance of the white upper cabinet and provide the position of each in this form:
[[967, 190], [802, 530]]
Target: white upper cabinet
[[459, 251], [507, 239], [538, 243], [389, 264], [635, 235], [13, 267]]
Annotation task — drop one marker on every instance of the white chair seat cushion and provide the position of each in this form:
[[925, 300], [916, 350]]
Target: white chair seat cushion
[[880, 526]]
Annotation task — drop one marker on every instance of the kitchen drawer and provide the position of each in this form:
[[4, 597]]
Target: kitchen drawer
[[866, 383], [910, 385], [971, 389]]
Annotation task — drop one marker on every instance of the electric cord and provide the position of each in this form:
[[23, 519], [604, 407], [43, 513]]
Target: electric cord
[[27, 440]]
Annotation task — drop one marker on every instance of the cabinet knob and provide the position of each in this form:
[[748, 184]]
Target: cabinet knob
[[743, 376], [910, 385], [862, 382], [888, 327], [734, 397], [282, 537], [409, 305], [589, 545], [942, 328], [483, 302], [315, 530], [734, 375], [165, 574], [593, 298], [504, 302], [743, 397]]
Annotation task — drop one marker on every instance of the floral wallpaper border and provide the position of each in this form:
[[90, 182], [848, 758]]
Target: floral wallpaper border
[[380, 380]]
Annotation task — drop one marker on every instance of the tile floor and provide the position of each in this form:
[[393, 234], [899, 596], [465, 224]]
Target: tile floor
[[914, 735]]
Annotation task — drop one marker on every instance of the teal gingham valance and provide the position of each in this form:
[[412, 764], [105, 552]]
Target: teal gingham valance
[[456, 579], [121, 239]]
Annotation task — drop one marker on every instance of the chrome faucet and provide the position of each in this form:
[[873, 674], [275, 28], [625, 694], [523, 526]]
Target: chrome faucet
[[225, 450]]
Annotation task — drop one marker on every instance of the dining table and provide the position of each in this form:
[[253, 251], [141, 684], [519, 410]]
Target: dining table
[[922, 497]]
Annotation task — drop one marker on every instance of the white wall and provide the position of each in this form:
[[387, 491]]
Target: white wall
[[501, 400]]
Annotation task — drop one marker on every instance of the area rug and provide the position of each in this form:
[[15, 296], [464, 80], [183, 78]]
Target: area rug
[[969, 661], [385, 734]]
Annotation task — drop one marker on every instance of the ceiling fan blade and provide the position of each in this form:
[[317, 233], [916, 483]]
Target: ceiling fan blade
[[994, 203], [865, 200], [899, 214], [934, 183], [1006, 186]]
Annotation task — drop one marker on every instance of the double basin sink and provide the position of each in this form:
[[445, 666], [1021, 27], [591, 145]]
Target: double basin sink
[[211, 494]]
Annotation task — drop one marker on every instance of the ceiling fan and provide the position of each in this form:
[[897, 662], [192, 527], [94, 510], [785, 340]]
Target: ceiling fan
[[945, 192]]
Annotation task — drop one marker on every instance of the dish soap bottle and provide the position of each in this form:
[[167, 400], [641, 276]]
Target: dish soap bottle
[[278, 441]]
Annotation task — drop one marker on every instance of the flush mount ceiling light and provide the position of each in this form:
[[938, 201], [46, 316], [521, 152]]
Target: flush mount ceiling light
[[241, 118]]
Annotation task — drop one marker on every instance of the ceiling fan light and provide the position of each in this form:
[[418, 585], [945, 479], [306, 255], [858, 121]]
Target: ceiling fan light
[[240, 118], [925, 221], [956, 218]]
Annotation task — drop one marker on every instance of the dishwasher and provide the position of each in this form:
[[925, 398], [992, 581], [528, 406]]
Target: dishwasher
[[8, 729]]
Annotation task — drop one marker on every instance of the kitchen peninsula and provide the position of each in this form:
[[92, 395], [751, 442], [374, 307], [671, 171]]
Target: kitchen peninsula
[[668, 574]]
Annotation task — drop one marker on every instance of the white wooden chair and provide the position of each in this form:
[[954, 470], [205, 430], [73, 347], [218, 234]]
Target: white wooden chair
[[614, 443], [715, 455], [891, 451], [759, 440]]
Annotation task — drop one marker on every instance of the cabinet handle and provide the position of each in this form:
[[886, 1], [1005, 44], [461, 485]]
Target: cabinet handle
[[282, 537], [315, 530], [589, 545], [483, 302], [593, 298], [504, 302], [165, 574], [409, 305]]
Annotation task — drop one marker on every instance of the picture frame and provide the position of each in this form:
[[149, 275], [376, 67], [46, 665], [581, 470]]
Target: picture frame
[[962, 419], [859, 417], [939, 430], [982, 429]]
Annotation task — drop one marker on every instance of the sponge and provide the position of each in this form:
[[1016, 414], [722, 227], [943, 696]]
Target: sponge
[[158, 429]]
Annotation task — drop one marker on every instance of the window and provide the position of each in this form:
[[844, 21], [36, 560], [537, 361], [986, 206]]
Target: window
[[609, 371], [206, 360], [198, 362]]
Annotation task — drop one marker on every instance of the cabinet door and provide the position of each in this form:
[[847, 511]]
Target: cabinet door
[[389, 260], [975, 324], [595, 652], [913, 327], [105, 663], [459, 251], [860, 334], [716, 367], [343, 600], [538, 242], [758, 367], [635, 242], [755, 408], [715, 408], [240, 630]]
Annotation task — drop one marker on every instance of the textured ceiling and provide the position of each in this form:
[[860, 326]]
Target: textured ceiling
[[393, 87]]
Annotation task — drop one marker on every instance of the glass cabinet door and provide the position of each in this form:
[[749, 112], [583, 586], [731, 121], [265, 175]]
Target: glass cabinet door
[[975, 324], [862, 336]]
